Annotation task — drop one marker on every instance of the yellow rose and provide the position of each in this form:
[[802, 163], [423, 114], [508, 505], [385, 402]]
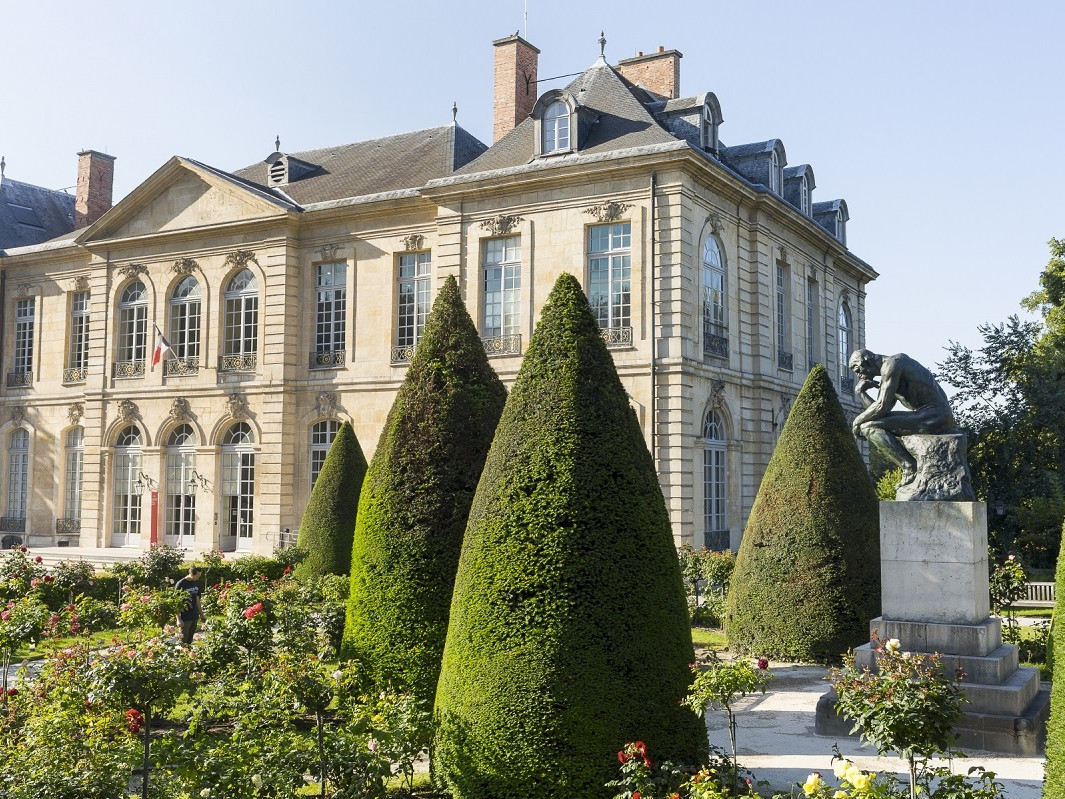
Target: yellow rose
[[812, 784], [840, 768], [861, 782], [840, 795]]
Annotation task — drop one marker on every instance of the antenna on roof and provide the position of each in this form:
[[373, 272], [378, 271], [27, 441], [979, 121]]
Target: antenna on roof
[[277, 144], [454, 112], [526, 20]]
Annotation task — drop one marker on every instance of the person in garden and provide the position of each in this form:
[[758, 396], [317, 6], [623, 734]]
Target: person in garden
[[190, 617]]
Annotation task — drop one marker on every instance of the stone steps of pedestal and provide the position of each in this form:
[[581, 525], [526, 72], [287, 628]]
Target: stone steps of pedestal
[[1008, 699], [994, 669]]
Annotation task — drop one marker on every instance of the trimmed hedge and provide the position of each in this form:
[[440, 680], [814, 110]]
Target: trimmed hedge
[[807, 577], [416, 499], [569, 632], [327, 529], [1054, 779]]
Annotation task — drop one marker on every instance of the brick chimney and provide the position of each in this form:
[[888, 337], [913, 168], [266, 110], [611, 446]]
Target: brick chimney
[[96, 172], [658, 72], [515, 83]]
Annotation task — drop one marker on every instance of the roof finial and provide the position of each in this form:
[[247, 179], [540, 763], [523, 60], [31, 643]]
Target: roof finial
[[3, 163], [602, 45], [277, 144], [454, 112]]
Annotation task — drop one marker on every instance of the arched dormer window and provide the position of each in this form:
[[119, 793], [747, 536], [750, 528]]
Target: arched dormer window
[[846, 379], [555, 114], [775, 177], [715, 481], [710, 122], [556, 127]]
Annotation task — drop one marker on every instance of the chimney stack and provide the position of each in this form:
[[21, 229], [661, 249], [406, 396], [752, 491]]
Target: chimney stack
[[515, 83], [96, 173], [658, 72]]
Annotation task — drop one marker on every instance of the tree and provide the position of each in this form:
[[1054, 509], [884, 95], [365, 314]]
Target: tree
[[327, 529], [807, 577], [1010, 398], [569, 633], [415, 501]]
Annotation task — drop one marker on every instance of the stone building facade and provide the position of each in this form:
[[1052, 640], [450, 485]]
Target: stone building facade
[[292, 294]]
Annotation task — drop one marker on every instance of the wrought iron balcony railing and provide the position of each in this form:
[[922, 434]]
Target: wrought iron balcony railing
[[616, 336], [19, 379], [785, 360], [75, 374], [502, 345], [328, 359], [12, 524], [68, 526], [125, 369], [403, 353], [715, 341], [181, 366], [244, 362]]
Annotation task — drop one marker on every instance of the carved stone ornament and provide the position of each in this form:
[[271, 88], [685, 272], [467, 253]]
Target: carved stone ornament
[[412, 242], [845, 295], [81, 283], [241, 258], [608, 212], [501, 225], [180, 410], [715, 223], [237, 406], [717, 395], [75, 412], [25, 289], [185, 266], [132, 270], [328, 252], [127, 411], [783, 254], [18, 415], [326, 404]]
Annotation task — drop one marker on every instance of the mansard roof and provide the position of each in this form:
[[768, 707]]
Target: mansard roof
[[405, 161], [31, 214]]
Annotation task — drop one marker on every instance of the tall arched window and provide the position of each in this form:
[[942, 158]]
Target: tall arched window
[[715, 322], [330, 314], [846, 379], [185, 328], [18, 480], [240, 338], [181, 486], [238, 485], [127, 486], [132, 331], [556, 127], [715, 482], [75, 457], [322, 435]]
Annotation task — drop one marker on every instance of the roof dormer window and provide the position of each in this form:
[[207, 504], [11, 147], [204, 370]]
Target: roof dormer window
[[556, 128], [710, 121], [804, 196], [776, 177], [278, 172]]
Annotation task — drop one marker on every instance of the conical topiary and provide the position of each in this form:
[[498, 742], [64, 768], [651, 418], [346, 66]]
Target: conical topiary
[[1054, 781], [569, 632], [327, 528], [416, 499], [807, 577]]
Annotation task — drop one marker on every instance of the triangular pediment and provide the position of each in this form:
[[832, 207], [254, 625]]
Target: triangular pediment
[[184, 195]]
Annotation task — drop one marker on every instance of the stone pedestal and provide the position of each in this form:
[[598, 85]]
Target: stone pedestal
[[934, 574], [942, 469]]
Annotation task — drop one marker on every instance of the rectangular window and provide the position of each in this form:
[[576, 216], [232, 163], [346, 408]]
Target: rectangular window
[[715, 497], [24, 321], [413, 297], [784, 355], [502, 287], [132, 333], [78, 341], [180, 500], [330, 319], [75, 460], [322, 435], [18, 474], [609, 274], [812, 350]]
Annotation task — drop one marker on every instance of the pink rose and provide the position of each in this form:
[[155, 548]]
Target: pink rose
[[146, 598], [5, 615]]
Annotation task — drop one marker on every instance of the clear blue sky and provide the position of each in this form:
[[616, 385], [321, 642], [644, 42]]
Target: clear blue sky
[[940, 123]]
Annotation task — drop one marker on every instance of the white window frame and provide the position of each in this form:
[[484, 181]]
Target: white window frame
[[610, 274], [126, 488], [715, 475], [783, 285], [74, 456], [845, 345], [323, 433], [330, 307], [132, 338], [413, 274], [18, 476], [501, 280], [813, 351], [185, 320], [714, 290], [25, 324], [237, 486], [78, 340], [240, 334], [556, 133], [180, 501]]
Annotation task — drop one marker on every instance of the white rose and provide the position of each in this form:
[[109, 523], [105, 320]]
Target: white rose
[[256, 780], [892, 645]]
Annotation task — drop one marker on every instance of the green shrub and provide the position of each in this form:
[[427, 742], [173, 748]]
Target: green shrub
[[569, 634], [1054, 781], [415, 501], [807, 577], [327, 529], [885, 485]]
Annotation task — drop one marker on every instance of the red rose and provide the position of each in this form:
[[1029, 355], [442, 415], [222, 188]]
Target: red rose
[[70, 607], [12, 691], [38, 559], [623, 758], [288, 570], [763, 664], [635, 795]]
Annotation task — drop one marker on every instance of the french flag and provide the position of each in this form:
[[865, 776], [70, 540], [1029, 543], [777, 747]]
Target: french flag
[[162, 346]]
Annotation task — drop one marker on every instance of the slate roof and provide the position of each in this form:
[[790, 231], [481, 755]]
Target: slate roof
[[741, 150], [406, 161], [623, 122], [31, 214]]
